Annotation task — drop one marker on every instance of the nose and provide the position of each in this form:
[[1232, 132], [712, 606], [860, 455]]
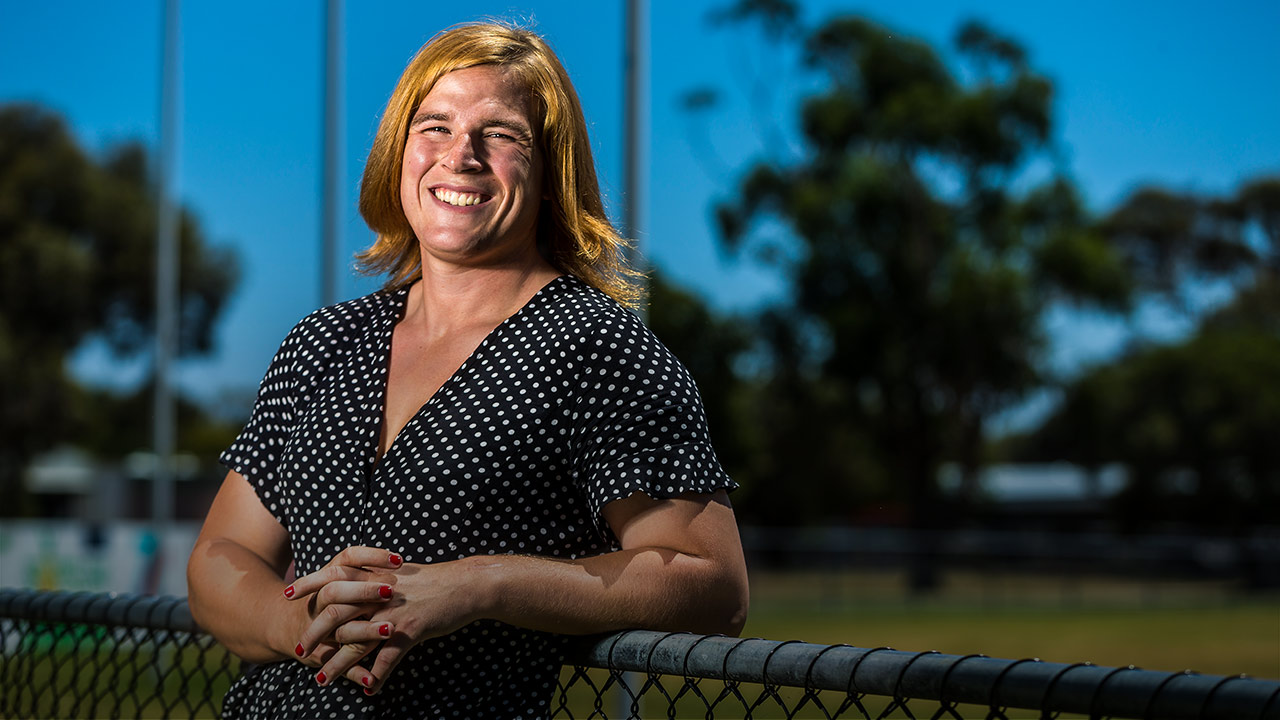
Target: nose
[[461, 155]]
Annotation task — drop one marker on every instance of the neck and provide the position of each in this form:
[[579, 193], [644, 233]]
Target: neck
[[448, 299]]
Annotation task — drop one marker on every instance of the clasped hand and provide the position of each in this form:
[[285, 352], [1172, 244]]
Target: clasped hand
[[368, 599]]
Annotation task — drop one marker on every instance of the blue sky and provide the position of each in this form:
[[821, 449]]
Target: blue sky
[[1178, 93]]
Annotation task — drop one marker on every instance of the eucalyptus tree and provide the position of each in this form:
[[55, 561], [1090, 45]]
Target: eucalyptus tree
[[920, 263], [76, 262]]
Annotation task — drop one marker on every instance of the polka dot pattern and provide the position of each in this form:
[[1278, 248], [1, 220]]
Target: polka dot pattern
[[569, 404]]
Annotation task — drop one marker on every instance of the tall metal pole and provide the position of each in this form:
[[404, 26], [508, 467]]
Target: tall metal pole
[[630, 124], [633, 109], [331, 152], [166, 289], [632, 180]]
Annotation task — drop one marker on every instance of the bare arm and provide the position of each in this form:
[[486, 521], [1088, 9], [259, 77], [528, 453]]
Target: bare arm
[[236, 587], [680, 568], [236, 574]]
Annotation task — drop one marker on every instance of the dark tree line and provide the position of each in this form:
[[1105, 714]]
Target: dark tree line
[[1193, 421], [77, 260], [921, 271]]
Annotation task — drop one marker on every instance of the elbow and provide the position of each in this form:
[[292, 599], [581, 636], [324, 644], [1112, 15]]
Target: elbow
[[739, 619], [726, 596], [724, 601], [737, 604], [195, 585], [193, 590]]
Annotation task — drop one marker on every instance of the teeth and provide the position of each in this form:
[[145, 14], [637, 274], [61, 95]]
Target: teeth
[[458, 198]]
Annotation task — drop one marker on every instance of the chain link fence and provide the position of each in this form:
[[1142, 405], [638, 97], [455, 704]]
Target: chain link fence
[[97, 655], [104, 655]]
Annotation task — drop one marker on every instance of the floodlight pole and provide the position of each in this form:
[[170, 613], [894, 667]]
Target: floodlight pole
[[633, 66], [331, 153], [633, 109], [166, 279]]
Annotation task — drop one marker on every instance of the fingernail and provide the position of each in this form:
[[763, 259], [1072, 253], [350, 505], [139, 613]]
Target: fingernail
[[368, 681], [395, 559], [385, 592], [368, 691], [288, 592], [321, 677], [384, 630], [299, 650]]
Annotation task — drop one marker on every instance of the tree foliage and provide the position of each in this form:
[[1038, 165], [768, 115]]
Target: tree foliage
[[919, 271], [922, 266], [77, 261], [708, 345], [1194, 420]]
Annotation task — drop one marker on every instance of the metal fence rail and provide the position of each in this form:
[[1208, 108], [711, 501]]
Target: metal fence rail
[[924, 684], [102, 655]]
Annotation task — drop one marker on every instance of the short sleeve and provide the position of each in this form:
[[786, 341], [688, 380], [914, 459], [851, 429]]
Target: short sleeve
[[639, 421], [256, 452]]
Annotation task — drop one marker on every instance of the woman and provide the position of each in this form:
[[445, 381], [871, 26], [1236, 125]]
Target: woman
[[488, 454]]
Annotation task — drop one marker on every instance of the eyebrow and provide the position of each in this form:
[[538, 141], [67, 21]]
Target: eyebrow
[[518, 128], [419, 117]]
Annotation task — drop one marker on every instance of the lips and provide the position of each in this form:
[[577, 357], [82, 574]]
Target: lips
[[458, 198]]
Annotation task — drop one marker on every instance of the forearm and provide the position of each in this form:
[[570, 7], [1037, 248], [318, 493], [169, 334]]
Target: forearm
[[680, 568], [236, 596], [651, 588]]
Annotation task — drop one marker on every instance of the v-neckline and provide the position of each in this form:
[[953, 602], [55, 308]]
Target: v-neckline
[[401, 301]]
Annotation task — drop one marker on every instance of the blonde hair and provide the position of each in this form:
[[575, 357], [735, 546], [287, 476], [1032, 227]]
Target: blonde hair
[[574, 234]]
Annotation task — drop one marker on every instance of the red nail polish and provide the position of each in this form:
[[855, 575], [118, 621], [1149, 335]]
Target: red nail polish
[[320, 677], [368, 691], [368, 681], [299, 650], [385, 592], [396, 559], [288, 592], [384, 630]]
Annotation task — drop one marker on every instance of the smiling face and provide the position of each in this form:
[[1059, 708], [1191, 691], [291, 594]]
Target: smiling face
[[471, 181]]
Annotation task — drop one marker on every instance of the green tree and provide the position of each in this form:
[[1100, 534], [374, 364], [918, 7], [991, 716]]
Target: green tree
[[1193, 420], [919, 272], [77, 239], [708, 345], [715, 347]]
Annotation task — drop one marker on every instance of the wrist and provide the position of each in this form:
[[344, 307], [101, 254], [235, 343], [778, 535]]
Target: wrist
[[485, 577], [292, 619]]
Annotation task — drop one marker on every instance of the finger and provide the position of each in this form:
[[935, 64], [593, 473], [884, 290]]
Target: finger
[[317, 657], [313, 582], [346, 565], [385, 662], [329, 619], [342, 662], [361, 676], [363, 631], [368, 557], [346, 592]]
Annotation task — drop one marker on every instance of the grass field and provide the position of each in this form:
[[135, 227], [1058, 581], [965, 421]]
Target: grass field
[[1206, 627]]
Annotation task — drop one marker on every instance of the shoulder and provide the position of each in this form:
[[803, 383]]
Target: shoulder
[[613, 343], [589, 315], [345, 321], [351, 316], [336, 330]]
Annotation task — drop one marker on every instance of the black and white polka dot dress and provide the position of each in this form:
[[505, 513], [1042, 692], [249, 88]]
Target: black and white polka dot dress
[[567, 405]]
